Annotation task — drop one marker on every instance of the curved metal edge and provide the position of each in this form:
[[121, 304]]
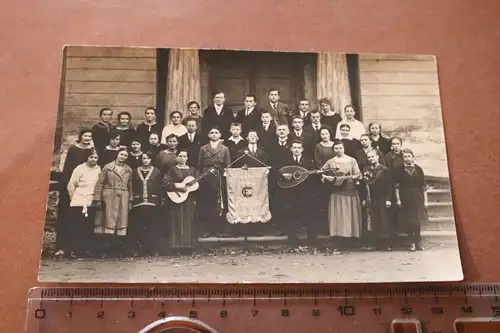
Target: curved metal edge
[[206, 328]]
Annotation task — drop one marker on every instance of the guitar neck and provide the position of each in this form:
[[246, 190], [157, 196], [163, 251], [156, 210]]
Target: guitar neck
[[200, 176]]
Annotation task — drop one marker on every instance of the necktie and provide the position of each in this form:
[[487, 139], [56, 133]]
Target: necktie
[[191, 137], [274, 106], [297, 159], [252, 149], [248, 112]]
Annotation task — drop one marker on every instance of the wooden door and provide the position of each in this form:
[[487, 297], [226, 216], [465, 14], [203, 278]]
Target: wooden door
[[238, 73]]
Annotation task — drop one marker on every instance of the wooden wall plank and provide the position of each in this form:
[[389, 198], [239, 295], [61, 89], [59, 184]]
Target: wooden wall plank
[[111, 63], [397, 66], [99, 51], [110, 99], [110, 87], [401, 102], [401, 57], [82, 112], [398, 77], [404, 89], [114, 75]]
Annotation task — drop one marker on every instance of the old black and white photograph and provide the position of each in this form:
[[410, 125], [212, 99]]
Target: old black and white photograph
[[238, 166]]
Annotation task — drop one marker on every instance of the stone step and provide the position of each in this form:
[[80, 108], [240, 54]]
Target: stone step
[[440, 209], [443, 223], [264, 239], [439, 195]]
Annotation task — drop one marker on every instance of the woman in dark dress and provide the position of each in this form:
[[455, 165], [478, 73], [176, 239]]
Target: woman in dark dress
[[144, 130], [329, 116], [146, 200], [127, 132], [135, 155], [351, 145], [77, 154], [410, 188], [154, 146], [167, 157], [393, 160], [379, 141], [361, 154], [181, 216], [376, 192], [111, 151]]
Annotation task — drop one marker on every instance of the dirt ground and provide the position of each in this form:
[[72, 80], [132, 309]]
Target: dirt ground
[[439, 262]]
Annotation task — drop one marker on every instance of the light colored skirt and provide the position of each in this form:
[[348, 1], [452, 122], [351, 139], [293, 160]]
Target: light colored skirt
[[344, 215]]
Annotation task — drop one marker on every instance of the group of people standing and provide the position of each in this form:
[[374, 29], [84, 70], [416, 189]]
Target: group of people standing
[[115, 180]]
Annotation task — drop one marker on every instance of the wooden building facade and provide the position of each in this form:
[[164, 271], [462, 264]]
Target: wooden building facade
[[400, 92]]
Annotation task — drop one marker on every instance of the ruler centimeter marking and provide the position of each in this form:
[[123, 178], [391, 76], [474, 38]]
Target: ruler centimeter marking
[[434, 307]]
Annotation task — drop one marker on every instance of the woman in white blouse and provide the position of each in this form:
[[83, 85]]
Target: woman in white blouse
[[357, 127], [175, 127], [81, 192]]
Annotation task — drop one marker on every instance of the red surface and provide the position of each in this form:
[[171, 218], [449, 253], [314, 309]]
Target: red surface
[[463, 34]]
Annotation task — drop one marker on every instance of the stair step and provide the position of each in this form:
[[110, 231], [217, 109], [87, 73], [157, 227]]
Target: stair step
[[440, 204], [438, 194], [442, 223]]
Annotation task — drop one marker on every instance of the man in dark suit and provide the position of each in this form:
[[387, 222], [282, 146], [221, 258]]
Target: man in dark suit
[[315, 126], [218, 115], [191, 141], [304, 112], [297, 203], [212, 198], [252, 155], [279, 111], [249, 117], [298, 133], [266, 131]]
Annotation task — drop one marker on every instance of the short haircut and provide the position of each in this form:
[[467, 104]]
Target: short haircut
[[408, 151], [349, 106], [214, 128], [273, 89], [345, 126], [325, 100], [177, 153], [188, 119], [266, 111], [304, 100], [315, 111], [174, 112], [236, 125], [124, 113], [296, 116], [104, 109], [194, 102], [338, 143], [170, 136], [253, 96], [218, 92], [298, 142], [253, 131], [396, 138]]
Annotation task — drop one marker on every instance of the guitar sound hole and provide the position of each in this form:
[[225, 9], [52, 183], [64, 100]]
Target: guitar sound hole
[[297, 175]]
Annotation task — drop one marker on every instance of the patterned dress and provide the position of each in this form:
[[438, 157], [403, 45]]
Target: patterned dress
[[181, 216], [344, 209]]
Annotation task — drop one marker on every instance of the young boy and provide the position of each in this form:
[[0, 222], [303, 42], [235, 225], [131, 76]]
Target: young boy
[[211, 195], [255, 152], [236, 141], [315, 126], [110, 151], [298, 133], [191, 141], [297, 202], [267, 131]]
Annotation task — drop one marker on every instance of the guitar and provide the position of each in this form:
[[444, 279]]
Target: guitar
[[300, 174], [191, 184]]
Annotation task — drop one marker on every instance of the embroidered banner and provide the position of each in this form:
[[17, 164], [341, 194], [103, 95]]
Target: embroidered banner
[[248, 196]]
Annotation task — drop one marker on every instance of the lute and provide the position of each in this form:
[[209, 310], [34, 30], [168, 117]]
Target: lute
[[300, 174], [190, 183]]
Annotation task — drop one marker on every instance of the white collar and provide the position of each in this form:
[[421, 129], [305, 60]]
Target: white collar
[[298, 132], [238, 139], [295, 157]]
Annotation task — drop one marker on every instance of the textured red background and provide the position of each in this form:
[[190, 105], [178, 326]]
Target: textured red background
[[463, 34]]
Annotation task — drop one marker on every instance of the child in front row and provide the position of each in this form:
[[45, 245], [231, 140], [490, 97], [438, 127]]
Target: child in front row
[[236, 141]]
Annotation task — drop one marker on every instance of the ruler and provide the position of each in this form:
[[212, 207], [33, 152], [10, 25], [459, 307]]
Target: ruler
[[441, 308]]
